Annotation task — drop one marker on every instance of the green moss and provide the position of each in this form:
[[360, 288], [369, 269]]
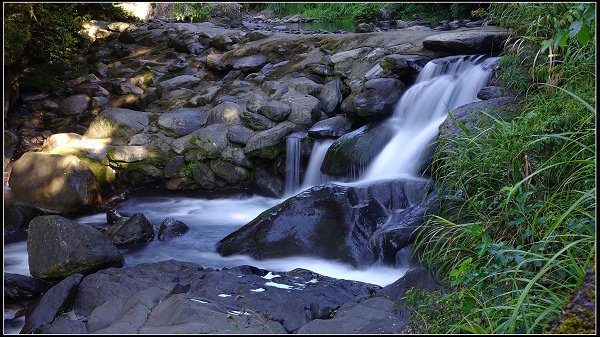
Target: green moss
[[580, 321]]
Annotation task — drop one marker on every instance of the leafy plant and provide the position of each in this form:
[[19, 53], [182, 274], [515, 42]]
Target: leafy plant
[[193, 11]]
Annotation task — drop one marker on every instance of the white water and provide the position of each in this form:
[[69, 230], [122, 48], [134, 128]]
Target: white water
[[313, 175], [292, 164], [444, 84]]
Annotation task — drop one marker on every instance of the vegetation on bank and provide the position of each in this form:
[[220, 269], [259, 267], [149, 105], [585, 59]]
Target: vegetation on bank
[[516, 233], [370, 11]]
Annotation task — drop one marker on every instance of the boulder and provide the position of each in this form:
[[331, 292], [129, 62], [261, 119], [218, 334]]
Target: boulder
[[403, 67], [174, 165], [352, 153], [467, 42], [269, 143], [491, 92], [54, 183], [135, 229], [275, 110], [171, 228], [239, 134], [257, 122], [127, 153], [227, 113], [232, 174], [19, 288], [204, 176], [211, 140], [376, 98], [328, 221], [74, 105], [267, 184], [333, 127], [118, 124], [51, 303], [250, 63], [304, 109], [183, 81], [306, 86], [330, 96], [182, 121], [58, 247]]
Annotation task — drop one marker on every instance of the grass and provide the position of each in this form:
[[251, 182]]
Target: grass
[[517, 230]]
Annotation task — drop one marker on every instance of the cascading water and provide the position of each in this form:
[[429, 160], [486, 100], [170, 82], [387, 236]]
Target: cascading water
[[442, 84], [313, 175], [292, 163]]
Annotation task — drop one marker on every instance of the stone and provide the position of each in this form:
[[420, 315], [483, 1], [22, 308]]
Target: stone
[[403, 67], [330, 96], [306, 86], [135, 229], [467, 42], [118, 124], [171, 228], [182, 121], [327, 221], [239, 134], [51, 303], [333, 127], [256, 122], [268, 144], [205, 97], [19, 288], [74, 105], [204, 176], [58, 247], [267, 184], [304, 109], [174, 165], [211, 140], [490, 92], [127, 153], [275, 110], [377, 97], [183, 81], [227, 113], [54, 183], [91, 90], [250, 63], [230, 173]]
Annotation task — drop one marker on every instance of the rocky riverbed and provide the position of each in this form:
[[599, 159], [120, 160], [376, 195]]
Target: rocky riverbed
[[206, 108]]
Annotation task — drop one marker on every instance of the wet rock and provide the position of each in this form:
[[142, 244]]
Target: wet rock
[[51, 303], [354, 151], [490, 92], [230, 173], [403, 67], [306, 86], [174, 165], [58, 247], [53, 183], [74, 105], [328, 221], [205, 97], [20, 287], [171, 228], [333, 127], [135, 229], [211, 140], [467, 42], [330, 96], [304, 109], [365, 28], [183, 81], [376, 98], [275, 110], [267, 184], [204, 176]]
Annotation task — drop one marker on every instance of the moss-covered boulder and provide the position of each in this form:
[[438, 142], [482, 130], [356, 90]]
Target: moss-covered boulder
[[58, 247]]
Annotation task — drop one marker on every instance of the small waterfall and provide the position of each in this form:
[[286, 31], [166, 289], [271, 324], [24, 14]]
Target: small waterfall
[[443, 84], [313, 175], [292, 163]]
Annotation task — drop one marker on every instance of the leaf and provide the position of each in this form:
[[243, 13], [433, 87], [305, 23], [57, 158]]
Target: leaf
[[574, 28], [583, 36]]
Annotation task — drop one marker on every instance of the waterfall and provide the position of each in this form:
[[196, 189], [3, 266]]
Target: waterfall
[[292, 163], [313, 175], [443, 84]]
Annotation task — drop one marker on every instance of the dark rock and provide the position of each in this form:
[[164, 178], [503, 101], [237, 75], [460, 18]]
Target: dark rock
[[19, 288], [136, 229], [404, 257], [330, 96], [229, 172], [306, 86], [53, 183], [365, 28], [304, 109], [74, 105], [269, 143], [275, 111], [256, 122], [239, 134], [58, 247], [376, 98], [353, 152], [51, 303], [171, 228], [418, 277], [490, 92], [267, 184], [204, 176], [333, 127], [112, 217], [328, 221], [467, 42], [403, 67], [210, 140], [249, 64], [174, 165]]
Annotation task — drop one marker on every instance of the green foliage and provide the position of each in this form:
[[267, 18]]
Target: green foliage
[[516, 232], [193, 11], [17, 28]]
